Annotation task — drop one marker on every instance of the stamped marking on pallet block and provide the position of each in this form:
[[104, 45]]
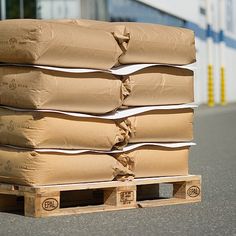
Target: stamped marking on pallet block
[[50, 204], [126, 197], [193, 191]]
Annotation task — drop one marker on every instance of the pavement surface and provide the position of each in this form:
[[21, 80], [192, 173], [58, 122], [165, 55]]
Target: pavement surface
[[214, 158]]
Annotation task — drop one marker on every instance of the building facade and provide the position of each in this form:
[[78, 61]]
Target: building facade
[[213, 21]]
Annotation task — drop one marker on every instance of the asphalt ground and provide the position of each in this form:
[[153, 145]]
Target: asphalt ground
[[214, 158]]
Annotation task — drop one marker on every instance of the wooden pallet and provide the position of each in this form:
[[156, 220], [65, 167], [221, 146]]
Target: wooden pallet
[[54, 200]]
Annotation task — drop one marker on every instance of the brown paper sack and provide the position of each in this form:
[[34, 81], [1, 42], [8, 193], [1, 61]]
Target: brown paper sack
[[33, 168], [95, 93], [148, 43], [55, 44], [27, 87], [51, 130], [154, 161], [159, 85], [162, 126]]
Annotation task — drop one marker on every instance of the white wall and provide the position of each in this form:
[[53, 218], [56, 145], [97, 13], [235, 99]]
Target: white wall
[[200, 82], [230, 71], [58, 9], [187, 9]]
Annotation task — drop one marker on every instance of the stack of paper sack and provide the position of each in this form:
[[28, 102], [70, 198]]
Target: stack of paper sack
[[86, 101]]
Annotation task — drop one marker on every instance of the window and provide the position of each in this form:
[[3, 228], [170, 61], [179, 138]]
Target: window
[[20, 8]]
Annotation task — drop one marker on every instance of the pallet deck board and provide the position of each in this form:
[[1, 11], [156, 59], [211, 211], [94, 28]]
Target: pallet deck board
[[48, 200]]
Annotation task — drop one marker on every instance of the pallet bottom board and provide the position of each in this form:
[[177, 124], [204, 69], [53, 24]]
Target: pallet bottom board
[[54, 200], [165, 202]]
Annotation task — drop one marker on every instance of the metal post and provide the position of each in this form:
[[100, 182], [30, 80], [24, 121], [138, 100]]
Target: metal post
[[222, 54], [211, 99], [21, 9], [3, 9]]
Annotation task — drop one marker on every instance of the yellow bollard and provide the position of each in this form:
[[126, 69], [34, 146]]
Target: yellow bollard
[[211, 100], [222, 87]]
